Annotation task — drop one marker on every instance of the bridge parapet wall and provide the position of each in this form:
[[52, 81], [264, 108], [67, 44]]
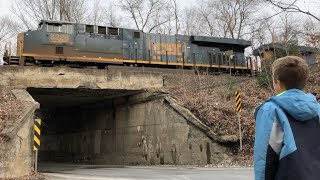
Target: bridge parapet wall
[[64, 77]]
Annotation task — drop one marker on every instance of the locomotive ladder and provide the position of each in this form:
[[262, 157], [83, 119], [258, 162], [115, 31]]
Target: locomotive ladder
[[8, 58]]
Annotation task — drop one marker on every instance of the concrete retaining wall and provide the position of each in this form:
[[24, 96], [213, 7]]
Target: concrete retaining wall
[[140, 130], [16, 149]]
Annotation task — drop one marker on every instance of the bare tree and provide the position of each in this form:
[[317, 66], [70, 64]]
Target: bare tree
[[206, 10], [112, 16], [291, 6], [71, 10], [98, 13], [190, 21], [233, 16], [175, 8], [311, 32], [228, 18], [146, 14], [30, 12], [8, 29]]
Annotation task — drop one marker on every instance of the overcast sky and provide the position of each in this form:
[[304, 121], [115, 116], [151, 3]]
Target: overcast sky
[[5, 6]]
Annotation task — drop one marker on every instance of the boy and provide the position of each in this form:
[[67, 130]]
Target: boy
[[287, 138]]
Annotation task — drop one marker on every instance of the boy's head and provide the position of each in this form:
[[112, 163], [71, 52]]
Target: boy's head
[[290, 72]]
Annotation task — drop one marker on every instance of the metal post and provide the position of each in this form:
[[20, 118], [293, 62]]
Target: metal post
[[36, 145], [36, 162], [238, 110], [240, 132]]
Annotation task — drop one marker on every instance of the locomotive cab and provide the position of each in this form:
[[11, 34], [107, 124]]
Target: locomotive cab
[[48, 43]]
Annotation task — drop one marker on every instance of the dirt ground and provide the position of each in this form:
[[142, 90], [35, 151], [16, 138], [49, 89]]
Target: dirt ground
[[10, 109], [32, 176]]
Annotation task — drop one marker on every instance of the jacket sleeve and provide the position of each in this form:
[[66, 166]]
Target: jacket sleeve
[[268, 143]]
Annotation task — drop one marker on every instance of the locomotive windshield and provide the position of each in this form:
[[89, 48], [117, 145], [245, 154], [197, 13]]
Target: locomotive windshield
[[60, 28]]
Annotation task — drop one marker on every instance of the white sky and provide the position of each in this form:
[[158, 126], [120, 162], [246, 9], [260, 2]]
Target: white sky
[[5, 6], [312, 5]]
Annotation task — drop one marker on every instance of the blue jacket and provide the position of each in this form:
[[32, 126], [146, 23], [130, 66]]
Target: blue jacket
[[287, 138]]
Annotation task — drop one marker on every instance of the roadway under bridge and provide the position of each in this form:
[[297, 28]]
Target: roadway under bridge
[[111, 117]]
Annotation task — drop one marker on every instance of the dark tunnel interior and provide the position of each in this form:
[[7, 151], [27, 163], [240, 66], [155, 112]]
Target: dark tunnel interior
[[79, 125]]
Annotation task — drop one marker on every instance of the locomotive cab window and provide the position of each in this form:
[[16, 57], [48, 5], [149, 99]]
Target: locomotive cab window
[[69, 28], [102, 30], [113, 31], [89, 29], [136, 35], [56, 28], [60, 28], [50, 28], [63, 28]]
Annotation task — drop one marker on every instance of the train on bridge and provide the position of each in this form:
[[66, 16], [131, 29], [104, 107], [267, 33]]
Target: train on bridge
[[57, 42]]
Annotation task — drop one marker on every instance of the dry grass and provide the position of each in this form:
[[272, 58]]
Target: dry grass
[[211, 99], [10, 109]]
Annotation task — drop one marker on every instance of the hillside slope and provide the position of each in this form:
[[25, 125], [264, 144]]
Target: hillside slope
[[211, 99]]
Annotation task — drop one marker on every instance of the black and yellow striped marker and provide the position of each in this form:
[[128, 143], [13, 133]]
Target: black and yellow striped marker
[[36, 136], [238, 101]]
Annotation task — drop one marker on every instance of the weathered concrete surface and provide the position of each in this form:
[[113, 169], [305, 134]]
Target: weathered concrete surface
[[97, 172], [144, 129], [16, 155], [63, 77], [163, 135]]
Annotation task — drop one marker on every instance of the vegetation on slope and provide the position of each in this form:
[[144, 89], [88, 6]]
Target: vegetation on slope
[[211, 99]]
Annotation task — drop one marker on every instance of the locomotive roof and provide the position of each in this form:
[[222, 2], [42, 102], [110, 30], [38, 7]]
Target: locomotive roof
[[219, 40], [57, 22], [205, 39]]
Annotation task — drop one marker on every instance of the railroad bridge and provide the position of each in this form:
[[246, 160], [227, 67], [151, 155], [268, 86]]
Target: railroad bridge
[[117, 116]]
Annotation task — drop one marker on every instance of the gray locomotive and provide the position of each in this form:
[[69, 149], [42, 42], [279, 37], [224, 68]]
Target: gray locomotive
[[65, 42]]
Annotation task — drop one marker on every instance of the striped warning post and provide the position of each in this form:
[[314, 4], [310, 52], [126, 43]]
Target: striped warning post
[[36, 136], [238, 101]]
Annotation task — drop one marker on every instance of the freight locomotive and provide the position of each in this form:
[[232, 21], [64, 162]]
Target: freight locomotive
[[57, 42]]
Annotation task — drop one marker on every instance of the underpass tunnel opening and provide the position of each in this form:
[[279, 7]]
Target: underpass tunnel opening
[[79, 125]]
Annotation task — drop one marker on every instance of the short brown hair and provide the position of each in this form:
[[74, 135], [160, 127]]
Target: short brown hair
[[292, 71]]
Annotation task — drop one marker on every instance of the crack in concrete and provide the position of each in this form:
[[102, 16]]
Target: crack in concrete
[[20, 142]]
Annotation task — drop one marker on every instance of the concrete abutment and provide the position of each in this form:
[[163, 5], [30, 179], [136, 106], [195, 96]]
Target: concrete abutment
[[139, 129], [107, 117]]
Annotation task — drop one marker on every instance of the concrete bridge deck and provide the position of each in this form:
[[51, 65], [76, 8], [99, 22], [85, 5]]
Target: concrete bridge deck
[[64, 77], [107, 117]]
